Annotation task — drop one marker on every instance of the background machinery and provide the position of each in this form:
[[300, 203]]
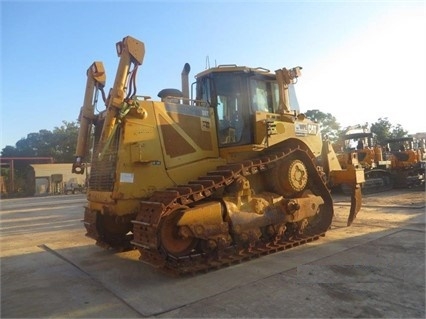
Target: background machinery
[[399, 163], [195, 184], [377, 167], [407, 161]]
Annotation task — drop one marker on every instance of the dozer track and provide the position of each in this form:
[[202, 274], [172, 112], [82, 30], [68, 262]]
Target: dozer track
[[409, 177], [108, 231], [376, 181], [155, 215]]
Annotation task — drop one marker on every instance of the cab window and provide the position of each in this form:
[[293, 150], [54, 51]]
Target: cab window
[[264, 95]]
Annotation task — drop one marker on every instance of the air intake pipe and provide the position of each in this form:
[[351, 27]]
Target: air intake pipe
[[185, 83]]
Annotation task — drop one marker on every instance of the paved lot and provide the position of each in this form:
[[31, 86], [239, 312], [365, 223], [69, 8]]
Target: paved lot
[[375, 268]]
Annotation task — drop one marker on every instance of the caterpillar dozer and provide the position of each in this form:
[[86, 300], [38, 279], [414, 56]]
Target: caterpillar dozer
[[407, 164], [377, 168], [199, 183]]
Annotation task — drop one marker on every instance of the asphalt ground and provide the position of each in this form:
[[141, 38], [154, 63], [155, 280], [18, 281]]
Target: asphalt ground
[[372, 269]]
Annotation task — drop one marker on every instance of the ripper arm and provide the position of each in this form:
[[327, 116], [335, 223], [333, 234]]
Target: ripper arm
[[95, 82]]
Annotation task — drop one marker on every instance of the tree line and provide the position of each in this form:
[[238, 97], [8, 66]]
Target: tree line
[[60, 144], [382, 129]]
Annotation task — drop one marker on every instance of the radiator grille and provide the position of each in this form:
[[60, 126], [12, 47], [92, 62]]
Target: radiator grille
[[103, 169]]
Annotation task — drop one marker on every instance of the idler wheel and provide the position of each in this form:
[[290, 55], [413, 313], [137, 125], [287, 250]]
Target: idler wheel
[[171, 240]]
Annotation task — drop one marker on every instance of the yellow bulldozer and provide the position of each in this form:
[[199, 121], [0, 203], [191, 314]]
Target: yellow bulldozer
[[406, 155], [376, 165], [397, 164], [220, 171]]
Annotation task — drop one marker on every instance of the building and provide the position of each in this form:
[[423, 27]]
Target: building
[[58, 179]]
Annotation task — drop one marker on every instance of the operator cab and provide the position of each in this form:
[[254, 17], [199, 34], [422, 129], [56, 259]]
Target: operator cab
[[236, 94]]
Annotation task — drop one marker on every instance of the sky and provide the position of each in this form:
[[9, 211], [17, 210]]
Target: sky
[[362, 60]]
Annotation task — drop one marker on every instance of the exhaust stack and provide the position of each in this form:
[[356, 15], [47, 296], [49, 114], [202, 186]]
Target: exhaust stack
[[185, 83]]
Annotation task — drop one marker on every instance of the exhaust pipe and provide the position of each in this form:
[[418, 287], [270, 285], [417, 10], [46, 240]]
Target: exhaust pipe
[[185, 83]]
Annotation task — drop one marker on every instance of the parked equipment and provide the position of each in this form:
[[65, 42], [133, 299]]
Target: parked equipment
[[407, 164], [198, 183], [378, 177]]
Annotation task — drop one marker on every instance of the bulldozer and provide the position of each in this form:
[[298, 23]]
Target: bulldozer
[[376, 165], [211, 174], [407, 161]]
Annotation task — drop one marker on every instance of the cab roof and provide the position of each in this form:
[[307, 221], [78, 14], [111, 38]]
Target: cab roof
[[235, 68]]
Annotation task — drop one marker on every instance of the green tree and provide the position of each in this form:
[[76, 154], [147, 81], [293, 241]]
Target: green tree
[[328, 123], [64, 142], [36, 144], [59, 144], [398, 131], [9, 151], [384, 130]]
